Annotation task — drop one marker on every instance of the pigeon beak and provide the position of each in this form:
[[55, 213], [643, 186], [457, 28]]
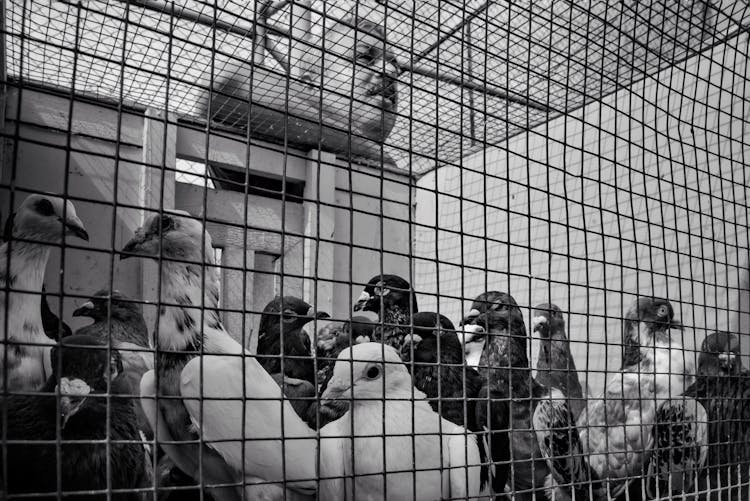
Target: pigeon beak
[[133, 246], [84, 309], [336, 390], [473, 313], [675, 324], [726, 360], [312, 314], [73, 394], [74, 226], [539, 324], [471, 333], [362, 301]]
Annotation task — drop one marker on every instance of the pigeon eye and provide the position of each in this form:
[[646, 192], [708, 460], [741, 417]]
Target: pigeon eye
[[44, 207], [663, 310], [167, 223], [373, 372]]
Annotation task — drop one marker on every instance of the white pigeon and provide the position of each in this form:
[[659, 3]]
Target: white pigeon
[[194, 354], [38, 224], [391, 443]]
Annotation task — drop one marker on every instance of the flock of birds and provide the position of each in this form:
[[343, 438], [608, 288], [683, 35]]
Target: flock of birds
[[405, 406]]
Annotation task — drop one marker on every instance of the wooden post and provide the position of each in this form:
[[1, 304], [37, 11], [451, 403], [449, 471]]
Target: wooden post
[[157, 189], [319, 222]]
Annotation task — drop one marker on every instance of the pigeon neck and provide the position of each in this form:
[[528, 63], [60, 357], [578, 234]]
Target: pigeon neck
[[190, 297], [27, 265]]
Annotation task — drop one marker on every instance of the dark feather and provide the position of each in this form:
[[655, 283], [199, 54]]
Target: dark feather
[[32, 466], [52, 324]]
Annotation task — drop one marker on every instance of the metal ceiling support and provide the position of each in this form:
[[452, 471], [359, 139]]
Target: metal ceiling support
[[458, 27], [480, 87], [470, 70], [211, 22]]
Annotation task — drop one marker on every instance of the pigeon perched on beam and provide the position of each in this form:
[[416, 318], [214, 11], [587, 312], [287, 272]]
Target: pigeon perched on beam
[[509, 396], [615, 431], [107, 454], [281, 324], [40, 222], [555, 367], [391, 441], [194, 353]]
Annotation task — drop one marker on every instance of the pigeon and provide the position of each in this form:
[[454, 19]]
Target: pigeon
[[286, 317], [54, 327], [393, 300], [720, 355], [38, 224], [609, 446], [332, 339], [555, 367], [440, 373], [474, 344], [118, 320], [391, 440], [509, 396], [84, 373], [723, 391], [196, 354]]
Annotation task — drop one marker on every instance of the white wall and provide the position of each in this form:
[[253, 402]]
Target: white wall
[[642, 193]]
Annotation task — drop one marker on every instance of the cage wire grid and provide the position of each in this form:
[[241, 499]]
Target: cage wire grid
[[584, 154]]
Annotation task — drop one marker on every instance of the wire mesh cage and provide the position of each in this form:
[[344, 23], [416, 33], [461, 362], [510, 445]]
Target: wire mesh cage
[[368, 249]]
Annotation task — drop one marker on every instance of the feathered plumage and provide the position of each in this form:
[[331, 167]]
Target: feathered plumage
[[445, 457], [194, 352], [87, 373], [285, 317], [438, 370], [555, 367], [41, 220], [511, 396]]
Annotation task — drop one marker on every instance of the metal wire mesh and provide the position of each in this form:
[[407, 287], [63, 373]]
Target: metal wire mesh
[[290, 222]]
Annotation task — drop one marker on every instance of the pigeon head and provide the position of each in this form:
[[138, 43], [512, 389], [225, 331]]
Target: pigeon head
[[720, 355], [82, 368], [289, 311], [646, 318], [174, 235], [104, 305], [547, 318], [428, 327], [505, 336], [368, 371], [387, 293], [490, 300], [45, 218]]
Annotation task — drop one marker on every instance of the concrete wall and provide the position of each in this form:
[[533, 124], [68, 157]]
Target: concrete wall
[[643, 193], [327, 243]]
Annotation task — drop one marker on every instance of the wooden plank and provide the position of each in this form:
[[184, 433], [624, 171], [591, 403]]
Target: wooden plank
[[49, 110], [233, 153]]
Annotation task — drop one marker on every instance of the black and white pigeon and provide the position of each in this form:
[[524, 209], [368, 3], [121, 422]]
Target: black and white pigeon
[[281, 323], [611, 444], [725, 396], [393, 300], [720, 355], [40, 223], [438, 370], [509, 396], [119, 321], [89, 379], [209, 376], [555, 367], [474, 344]]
